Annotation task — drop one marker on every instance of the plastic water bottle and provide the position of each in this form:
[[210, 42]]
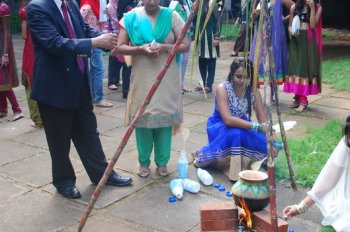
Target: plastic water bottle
[[182, 165], [204, 176], [191, 186], [154, 44], [291, 229], [176, 188]]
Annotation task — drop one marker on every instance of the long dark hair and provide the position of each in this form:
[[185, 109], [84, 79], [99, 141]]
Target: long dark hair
[[236, 64], [346, 129], [299, 5]]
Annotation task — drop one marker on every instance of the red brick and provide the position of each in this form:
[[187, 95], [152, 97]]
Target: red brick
[[219, 225], [218, 211], [262, 222]]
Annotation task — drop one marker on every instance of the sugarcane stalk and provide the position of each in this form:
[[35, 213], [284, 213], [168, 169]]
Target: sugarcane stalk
[[199, 35], [269, 70], [133, 123]]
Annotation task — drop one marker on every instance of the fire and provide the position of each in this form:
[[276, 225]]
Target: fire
[[246, 214]]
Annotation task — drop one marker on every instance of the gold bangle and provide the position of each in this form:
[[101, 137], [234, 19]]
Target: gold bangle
[[302, 207]]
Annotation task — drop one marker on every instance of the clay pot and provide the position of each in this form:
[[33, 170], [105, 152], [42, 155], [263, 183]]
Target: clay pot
[[253, 188]]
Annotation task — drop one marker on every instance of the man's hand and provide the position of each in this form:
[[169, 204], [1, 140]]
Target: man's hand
[[106, 41]]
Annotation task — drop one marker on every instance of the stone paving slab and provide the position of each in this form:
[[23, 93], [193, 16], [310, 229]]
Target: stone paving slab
[[116, 112], [10, 190], [35, 138], [34, 171], [10, 130], [341, 103], [36, 212], [205, 109], [16, 151], [152, 209], [108, 123], [109, 194], [107, 223]]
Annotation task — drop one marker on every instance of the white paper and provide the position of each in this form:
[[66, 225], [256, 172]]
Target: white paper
[[103, 16], [287, 126]]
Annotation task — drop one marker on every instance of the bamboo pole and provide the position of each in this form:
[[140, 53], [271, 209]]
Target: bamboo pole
[[133, 123], [269, 70]]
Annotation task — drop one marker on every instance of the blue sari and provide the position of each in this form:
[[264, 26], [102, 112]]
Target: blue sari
[[224, 140]]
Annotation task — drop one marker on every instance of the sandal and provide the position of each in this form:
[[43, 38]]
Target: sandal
[[208, 89], [185, 90], [302, 107], [144, 172], [198, 88], [233, 54], [16, 116], [162, 171], [295, 104], [113, 87], [105, 104]]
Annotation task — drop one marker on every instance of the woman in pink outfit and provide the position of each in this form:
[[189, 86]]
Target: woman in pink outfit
[[8, 74]]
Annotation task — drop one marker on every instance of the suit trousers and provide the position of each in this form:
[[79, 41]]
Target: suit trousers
[[80, 126]]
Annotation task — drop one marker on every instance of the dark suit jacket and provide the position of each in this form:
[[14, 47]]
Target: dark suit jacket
[[57, 80]]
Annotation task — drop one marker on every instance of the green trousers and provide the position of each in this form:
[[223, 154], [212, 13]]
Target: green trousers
[[160, 138], [33, 107]]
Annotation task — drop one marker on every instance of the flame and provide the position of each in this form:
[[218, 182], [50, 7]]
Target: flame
[[246, 214]]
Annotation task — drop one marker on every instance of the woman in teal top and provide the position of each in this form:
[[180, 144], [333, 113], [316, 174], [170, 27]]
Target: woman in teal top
[[140, 28]]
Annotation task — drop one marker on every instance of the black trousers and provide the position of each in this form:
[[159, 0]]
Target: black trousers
[[80, 126], [207, 68], [114, 67]]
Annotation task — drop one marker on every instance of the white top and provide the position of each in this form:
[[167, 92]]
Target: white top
[[331, 191]]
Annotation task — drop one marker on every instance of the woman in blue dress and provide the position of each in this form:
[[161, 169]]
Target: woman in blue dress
[[230, 130]]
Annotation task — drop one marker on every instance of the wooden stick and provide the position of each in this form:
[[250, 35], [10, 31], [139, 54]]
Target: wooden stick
[[133, 123], [269, 69]]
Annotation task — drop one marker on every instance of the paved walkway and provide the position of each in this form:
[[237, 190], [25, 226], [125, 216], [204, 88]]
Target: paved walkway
[[29, 203]]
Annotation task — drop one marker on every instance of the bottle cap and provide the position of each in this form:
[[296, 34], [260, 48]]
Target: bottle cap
[[172, 199], [228, 194], [221, 188], [291, 230], [216, 185], [179, 196]]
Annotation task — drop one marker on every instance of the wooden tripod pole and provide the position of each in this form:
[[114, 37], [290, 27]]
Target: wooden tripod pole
[[269, 70], [138, 115]]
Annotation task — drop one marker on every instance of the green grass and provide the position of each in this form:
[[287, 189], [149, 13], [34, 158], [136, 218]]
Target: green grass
[[327, 229], [336, 72], [230, 31], [309, 153]]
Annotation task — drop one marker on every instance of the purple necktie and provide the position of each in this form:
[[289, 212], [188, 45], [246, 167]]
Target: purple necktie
[[80, 60]]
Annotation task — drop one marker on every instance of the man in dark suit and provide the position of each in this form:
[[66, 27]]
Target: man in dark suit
[[62, 42]]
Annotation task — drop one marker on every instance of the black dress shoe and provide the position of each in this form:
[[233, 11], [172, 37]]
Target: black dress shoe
[[69, 192], [117, 180]]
